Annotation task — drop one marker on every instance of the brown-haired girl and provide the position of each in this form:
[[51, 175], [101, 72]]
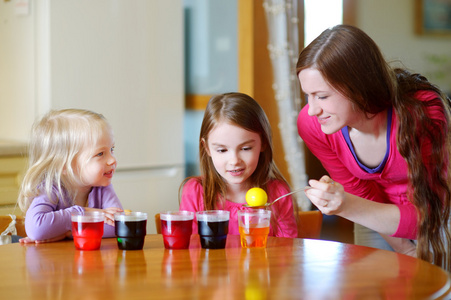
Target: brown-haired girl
[[235, 151]]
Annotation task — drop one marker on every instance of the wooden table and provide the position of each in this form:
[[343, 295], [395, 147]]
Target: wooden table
[[286, 269]]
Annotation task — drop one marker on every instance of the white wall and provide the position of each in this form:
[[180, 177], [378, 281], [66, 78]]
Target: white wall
[[392, 25], [17, 86]]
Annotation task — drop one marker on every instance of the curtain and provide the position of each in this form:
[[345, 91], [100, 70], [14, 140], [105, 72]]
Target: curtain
[[283, 35]]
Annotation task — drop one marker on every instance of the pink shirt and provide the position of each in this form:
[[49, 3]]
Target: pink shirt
[[387, 186], [193, 200]]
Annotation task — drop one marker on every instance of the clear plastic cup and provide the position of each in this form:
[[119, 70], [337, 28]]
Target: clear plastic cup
[[87, 229], [254, 227], [213, 227], [176, 227], [130, 229]]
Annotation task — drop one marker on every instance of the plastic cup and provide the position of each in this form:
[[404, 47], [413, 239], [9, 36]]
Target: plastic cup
[[254, 227], [176, 227], [213, 227], [130, 229], [87, 229]]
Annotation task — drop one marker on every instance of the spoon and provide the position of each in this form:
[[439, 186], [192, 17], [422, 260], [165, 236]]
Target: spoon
[[283, 196]]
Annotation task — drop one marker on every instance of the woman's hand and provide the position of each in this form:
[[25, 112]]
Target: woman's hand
[[327, 195], [27, 240], [331, 199], [109, 213]]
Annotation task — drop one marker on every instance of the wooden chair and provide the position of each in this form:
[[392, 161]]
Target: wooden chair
[[158, 223], [20, 224], [309, 224]]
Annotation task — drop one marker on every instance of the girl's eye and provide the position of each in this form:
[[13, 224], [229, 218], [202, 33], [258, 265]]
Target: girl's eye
[[247, 148], [112, 149], [322, 98], [221, 150], [99, 154]]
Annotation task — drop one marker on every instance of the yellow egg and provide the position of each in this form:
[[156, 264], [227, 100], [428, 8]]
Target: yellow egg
[[256, 197], [254, 292]]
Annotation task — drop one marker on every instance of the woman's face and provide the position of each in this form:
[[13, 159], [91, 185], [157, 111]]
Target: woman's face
[[331, 108]]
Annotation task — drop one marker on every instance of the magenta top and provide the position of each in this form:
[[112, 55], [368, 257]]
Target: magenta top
[[45, 219], [387, 183], [282, 210]]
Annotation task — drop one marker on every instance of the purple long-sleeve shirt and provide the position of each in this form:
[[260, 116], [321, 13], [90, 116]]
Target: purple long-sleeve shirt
[[45, 219]]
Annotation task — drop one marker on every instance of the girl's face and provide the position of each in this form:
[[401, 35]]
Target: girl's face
[[101, 162], [234, 152], [331, 108]]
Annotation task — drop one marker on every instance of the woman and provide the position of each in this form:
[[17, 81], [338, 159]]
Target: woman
[[383, 135]]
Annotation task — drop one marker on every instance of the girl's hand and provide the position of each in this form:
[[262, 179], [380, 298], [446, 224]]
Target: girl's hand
[[27, 240], [327, 195], [109, 213]]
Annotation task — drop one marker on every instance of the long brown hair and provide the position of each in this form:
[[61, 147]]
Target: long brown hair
[[243, 111], [351, 62]]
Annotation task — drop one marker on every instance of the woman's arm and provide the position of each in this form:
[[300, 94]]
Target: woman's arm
[[331, 199], [400, 245]]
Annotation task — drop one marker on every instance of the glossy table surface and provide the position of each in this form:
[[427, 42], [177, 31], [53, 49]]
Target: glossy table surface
[[286, 269]]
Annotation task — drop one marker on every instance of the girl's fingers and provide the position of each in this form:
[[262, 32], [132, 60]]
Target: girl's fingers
[[26, 240], [110, 222]]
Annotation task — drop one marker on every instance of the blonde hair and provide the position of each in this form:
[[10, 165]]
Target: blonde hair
[[56, 142]]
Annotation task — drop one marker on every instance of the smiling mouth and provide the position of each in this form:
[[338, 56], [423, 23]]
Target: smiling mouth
[[323, 120], [236, 172], [110, 173]]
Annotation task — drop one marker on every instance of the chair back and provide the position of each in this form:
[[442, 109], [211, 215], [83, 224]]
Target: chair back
[[309, 224], [158, 223], [20, 224]]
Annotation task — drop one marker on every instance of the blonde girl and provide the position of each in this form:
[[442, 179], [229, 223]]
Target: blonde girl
[[71, 165], [235, 151]]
